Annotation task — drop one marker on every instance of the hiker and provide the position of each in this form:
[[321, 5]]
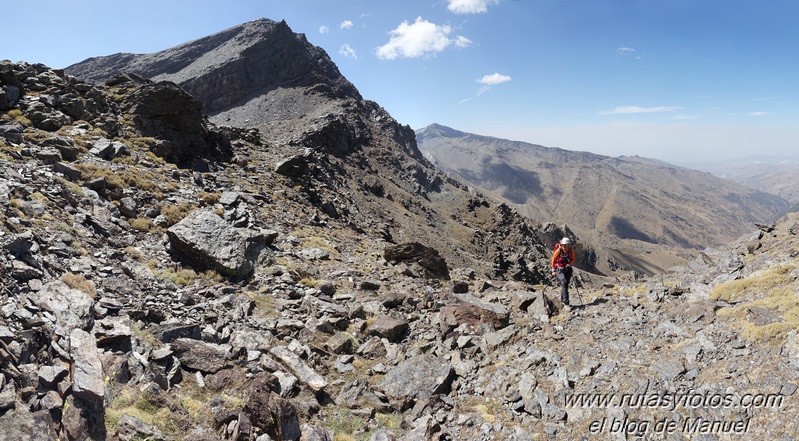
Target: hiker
[[562, 261]]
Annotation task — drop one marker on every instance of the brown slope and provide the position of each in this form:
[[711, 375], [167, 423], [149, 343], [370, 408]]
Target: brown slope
[[631, 205]]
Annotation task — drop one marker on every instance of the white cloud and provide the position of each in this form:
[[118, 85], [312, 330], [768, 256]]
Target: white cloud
[[480, 91], [462, 41], [487, 81], [494, 79], [759, 113], [626, 110], [348, 51], [625, 51], [324, 29], [469, 6], [419, 39], [346, 24]]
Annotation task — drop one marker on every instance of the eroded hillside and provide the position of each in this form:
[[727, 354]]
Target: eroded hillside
[[639, 214]]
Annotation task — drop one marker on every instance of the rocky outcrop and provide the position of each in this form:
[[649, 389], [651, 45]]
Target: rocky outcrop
[[165, 111]]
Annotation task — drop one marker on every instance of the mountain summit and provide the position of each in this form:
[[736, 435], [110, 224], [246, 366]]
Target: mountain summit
[[244, 67]]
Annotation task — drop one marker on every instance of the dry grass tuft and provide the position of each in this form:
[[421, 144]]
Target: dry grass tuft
[[77, 281], [755, 284]]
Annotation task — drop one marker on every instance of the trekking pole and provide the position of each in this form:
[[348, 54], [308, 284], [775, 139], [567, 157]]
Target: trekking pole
[[545, 288], [579, 296]]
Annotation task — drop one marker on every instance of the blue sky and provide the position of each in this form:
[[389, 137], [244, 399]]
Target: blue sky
[[679, 80]]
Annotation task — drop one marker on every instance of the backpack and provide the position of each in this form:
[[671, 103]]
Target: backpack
[[563, 258]]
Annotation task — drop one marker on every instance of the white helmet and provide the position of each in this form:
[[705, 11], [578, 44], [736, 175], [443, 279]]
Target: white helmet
[[565, 241]]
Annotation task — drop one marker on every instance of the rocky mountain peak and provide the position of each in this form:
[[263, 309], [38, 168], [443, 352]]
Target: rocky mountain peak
[[225, 69], [437, 130]]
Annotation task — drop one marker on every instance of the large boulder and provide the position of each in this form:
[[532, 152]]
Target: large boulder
[[199, 355], [71, 308], [206, 240], [417, 378], [12, 131], [413, 253], [299, 368], [389, 328], [474, 312]]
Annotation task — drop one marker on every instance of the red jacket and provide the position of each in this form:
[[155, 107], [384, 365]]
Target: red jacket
[[560, 259]]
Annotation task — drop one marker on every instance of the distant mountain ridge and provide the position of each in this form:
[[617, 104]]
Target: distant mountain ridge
[[781, 179], [622, 203]]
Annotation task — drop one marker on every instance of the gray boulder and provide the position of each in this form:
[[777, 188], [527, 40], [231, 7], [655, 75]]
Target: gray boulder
[[71, 307], [208, 241], [389, 328], [417, 378], [537, 306], [296, 165], [12, 131], [200, 356], [108, 150], [299, 368], [87, 371]]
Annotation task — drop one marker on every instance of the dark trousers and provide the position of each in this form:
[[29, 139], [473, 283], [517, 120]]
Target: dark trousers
[[564, 275]]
